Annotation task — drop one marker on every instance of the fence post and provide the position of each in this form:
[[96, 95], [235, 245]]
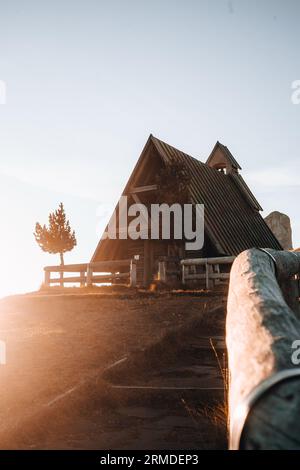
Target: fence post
[[89, 275], [61, 279], [162, 272], [208, 272], [47, 278], [211, 280], [82, 278], [132, 273], [217, 271]]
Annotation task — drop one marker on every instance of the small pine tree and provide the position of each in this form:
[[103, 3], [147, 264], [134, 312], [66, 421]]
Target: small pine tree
[[58, 236]]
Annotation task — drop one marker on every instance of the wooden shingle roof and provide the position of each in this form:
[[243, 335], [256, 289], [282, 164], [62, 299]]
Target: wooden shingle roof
[[231, 218]]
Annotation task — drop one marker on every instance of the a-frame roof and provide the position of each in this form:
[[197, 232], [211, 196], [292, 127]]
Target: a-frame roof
[[232, 218], [225, 150], [231, 215]]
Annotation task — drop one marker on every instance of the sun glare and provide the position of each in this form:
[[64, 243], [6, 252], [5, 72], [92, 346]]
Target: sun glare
[[19, 274]]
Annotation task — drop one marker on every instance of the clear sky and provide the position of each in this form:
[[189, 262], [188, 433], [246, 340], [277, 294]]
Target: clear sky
[[88, 80]]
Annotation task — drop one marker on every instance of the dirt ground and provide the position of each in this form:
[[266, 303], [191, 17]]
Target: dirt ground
[[61, 388]]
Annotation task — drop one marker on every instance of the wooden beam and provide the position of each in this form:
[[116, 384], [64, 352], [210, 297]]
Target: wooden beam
[[99, 278], [264, 389], [110, 277], [112, 265], [67, 268], [213, 276], [97, 266], [204, 261], [143, 189]]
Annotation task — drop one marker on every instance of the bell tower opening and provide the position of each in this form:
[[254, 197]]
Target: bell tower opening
[[222, 160]]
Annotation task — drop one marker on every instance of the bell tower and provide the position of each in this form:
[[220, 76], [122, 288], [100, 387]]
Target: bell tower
[[222, 160]]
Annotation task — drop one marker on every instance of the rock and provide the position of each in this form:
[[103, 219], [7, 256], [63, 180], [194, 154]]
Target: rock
[[280, 224]]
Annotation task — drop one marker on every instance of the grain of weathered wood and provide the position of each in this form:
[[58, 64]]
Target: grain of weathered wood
[[260, 330], [279, 429]]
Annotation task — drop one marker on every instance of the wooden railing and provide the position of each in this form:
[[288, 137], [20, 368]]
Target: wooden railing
[[262, 336], [119, 271], [209, 270], [206, 269]]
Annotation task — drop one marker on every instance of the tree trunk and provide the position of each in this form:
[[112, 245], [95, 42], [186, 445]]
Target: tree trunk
[[62, 263]]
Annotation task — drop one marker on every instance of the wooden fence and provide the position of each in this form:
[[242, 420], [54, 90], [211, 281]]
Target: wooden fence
[[87, 274], [262, 332], [206, 269]]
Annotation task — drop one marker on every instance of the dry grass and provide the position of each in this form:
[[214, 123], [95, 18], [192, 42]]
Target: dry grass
[[216, 414], [62, 342]]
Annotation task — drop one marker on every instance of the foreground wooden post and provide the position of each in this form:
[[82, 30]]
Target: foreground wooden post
[[264, 389]]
